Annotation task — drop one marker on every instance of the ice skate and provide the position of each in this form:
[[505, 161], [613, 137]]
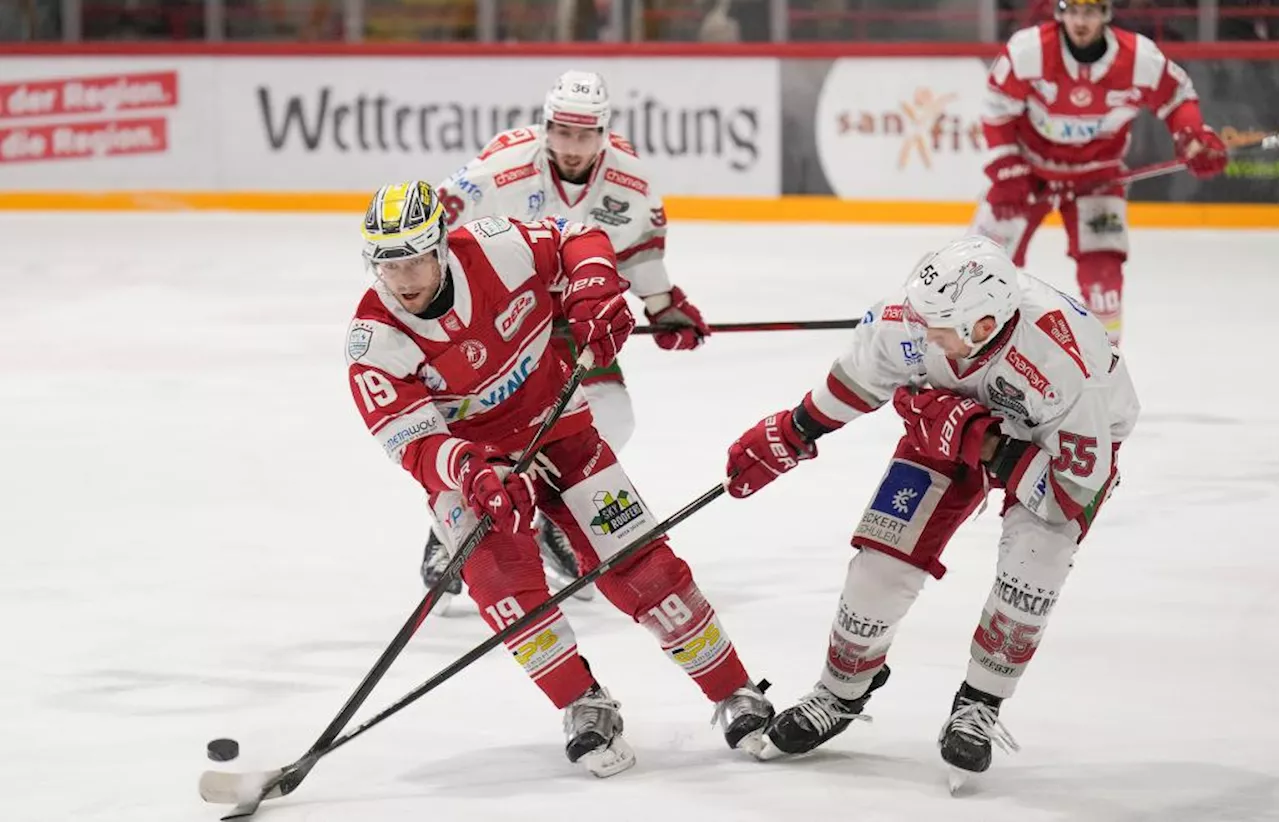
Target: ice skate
[[817, 717], [593, 734], [745, 714], [558, 559], [435, 558], [965, 739]]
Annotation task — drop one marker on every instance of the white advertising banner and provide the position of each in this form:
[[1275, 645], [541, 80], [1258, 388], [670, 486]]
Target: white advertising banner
[[704, 126], [895, 129]]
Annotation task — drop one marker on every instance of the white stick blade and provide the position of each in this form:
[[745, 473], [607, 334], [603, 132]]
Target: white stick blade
[[223, 788]]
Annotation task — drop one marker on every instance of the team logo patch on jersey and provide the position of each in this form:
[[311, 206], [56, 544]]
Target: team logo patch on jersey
[[536, 201], [611, 212], [490, 226], [512, 317], [475, 352], [1081, 96], [514, 175], [612, 175], [615, 511], [1008, 397], [911, 354], [658, 217], [358, 340]]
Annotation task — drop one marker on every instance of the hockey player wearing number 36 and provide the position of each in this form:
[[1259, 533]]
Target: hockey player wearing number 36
[[573, 165], [1000, 384], [451, 365]]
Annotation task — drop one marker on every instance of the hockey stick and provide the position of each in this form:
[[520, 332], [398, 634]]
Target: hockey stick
[[429, 600], [248, 790], [1267, 142], [782, 325]]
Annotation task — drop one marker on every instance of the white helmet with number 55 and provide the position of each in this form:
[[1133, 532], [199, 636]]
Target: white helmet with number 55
[[961, 283]]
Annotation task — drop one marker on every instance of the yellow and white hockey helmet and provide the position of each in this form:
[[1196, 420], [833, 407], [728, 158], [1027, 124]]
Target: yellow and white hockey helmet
[[580, 98], [1103, 5], [405, 220], [961, 283]]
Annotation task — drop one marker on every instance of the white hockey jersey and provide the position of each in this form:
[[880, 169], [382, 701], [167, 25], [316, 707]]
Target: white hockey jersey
[[513, 177], [1050, 375]]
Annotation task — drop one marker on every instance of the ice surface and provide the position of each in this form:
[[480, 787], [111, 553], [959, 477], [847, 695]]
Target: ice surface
[[200, 540]]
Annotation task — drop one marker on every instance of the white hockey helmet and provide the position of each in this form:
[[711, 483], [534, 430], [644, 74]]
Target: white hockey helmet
[[1061, 7], [961, 283], [580, 98], [405, 220]]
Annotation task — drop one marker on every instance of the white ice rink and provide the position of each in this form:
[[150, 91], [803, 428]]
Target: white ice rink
[[198, 538]]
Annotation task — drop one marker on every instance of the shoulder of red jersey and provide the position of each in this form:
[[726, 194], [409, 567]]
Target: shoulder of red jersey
[[509, 157], [1027, 48], [376, 340]]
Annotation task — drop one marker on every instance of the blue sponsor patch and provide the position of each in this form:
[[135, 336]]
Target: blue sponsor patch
[[902, 491], [869, 318], [911, 354]]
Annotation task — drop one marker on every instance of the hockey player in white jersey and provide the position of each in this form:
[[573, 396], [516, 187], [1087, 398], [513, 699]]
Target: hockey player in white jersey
[[1000, 384], [573, 166]]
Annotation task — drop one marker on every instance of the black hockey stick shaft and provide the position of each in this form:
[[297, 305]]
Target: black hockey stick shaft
[[528, 619], [432, 597], [780, 325]]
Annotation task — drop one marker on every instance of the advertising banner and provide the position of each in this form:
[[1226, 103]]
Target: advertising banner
[[353, 123], [100, 125], [883, 128]]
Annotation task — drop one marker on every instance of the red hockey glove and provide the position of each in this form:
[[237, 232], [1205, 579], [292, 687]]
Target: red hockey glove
[[770, 449], [601, 327], [1202, 150], [943, 425], [680, 312], [1014, 187], [488, 487]]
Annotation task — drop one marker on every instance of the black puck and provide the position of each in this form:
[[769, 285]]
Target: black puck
[[223, 750]]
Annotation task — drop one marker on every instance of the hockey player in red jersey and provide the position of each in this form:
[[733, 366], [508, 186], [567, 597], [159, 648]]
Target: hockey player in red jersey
[[1060, 101], [451, 365], [1000, 384]]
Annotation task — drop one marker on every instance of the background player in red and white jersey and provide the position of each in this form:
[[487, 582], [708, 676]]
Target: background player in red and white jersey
[[573, 166], [451, 365], [1061, 98], [1000, 384]]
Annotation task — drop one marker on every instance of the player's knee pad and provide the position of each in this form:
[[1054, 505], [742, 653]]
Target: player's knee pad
[[641, 583], [879, 589], [917, 508], [611, 409], [504, 565], [1100, 275], [1035, 559]]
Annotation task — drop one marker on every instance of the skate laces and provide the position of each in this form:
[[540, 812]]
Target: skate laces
[[824, 709], [592, 711], [746, 700], [978, 720]]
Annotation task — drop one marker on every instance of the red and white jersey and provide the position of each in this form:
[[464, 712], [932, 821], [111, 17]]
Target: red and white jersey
[[484, 371], [1068, 118], [513, 177], [1050, 375]]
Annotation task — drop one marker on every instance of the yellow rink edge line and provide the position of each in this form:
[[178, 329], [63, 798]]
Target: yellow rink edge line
[[729, 209]]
